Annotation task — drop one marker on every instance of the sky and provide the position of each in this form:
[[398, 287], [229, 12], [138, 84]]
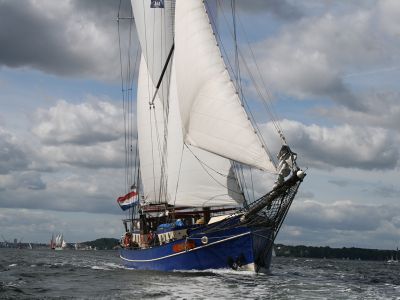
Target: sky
[[332, 68]]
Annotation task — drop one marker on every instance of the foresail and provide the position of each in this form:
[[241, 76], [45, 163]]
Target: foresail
[[196, 178], [155, 28], [213, 117], [150, 125]]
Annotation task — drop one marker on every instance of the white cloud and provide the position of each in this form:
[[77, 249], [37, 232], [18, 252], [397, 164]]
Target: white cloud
[[81, 124], [88, 135]]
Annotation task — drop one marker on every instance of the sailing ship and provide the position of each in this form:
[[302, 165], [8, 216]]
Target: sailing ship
[[59, 243], [393, 260], [186, 197]]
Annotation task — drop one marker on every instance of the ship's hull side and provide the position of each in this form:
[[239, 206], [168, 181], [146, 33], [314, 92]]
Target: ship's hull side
[[240, 248]]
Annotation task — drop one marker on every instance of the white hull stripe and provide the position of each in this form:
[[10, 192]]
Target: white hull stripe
[[183, 252]]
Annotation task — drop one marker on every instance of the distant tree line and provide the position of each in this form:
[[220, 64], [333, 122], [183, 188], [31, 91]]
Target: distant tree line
[[338, 253], [103, 244]]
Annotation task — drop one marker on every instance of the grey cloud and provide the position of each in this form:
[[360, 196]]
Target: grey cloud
[[92, 192], [30, 180], [85, 135], [11, 155], [38, 225], [341, 216], [60, 38], [79, 124], [376, 105], [387, 191], [340, 183], [308, 58], [341, 224], [342, 146], [281, 8]]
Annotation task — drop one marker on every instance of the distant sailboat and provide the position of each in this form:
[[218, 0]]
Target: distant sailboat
[[394, 260], [60, 243]]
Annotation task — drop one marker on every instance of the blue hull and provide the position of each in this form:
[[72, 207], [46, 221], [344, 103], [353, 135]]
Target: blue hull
[[236, 248]]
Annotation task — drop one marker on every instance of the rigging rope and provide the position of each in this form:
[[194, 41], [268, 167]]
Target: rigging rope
[[273, 118], [204, 165]]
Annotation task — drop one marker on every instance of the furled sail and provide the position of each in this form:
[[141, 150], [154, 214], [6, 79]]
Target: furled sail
[[155, 28], [150, 125], [213, 117], [196, 177]]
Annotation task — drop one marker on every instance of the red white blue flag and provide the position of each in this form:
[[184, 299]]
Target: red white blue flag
[[129, 200]]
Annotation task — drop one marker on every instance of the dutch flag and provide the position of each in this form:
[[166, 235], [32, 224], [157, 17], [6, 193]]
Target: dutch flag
[[129, 200]]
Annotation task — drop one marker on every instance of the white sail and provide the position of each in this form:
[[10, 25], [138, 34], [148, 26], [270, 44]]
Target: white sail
[[150, 125], [212, 115], [195, 177], [155, 30]]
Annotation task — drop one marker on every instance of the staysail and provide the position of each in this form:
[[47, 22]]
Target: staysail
[[196, 177], [213, 117]]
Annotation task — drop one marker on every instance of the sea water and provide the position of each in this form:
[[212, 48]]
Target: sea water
[[46, 274]]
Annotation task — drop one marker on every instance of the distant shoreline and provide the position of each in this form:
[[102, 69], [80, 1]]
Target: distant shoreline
[[352, 253], [280, 250]]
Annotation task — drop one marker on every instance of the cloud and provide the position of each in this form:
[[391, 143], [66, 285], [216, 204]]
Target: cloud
[[339, 183], [71, 38], [85, 135], [11, 155], [280, 8], [341, 215], [340, 146], [376, 104], [386, 191], [341, 223], [86, 191], [308, 58], [27, 180], [79, 124], [102, 155], [38, 225]]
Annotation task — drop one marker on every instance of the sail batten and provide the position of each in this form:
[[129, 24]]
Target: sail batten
[[213, 117]]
